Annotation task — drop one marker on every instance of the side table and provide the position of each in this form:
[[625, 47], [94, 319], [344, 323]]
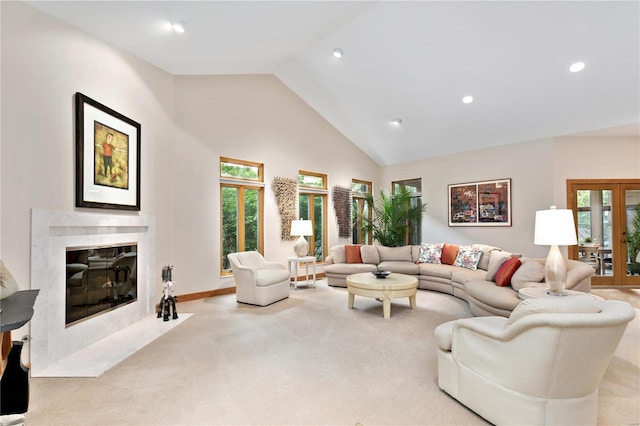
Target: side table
[[541, 292], [296, 261]]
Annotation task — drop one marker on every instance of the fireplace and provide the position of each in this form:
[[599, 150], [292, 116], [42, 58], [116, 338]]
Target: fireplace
[[53, 234], [99, 279]]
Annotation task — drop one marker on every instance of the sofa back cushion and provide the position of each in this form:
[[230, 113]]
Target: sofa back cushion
[[369, 255], [486, 255], [506, 271], [531, 271], [395, 253], [352, 253], [556, 305], [449, 254], [338, 254], [496, 259]]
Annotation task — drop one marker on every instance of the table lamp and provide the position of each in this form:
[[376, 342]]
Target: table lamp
[[555, 227], [301, 228]]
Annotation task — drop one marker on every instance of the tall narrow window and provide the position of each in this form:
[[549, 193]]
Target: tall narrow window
[[241, 208], [361, 210], [312, 203], [414, 186]]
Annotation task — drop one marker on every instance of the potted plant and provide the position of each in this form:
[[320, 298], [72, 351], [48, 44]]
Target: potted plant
[[633, 245], [391, 217]]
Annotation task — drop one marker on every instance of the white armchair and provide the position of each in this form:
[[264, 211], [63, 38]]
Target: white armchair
[[258, 282], [542, 365]]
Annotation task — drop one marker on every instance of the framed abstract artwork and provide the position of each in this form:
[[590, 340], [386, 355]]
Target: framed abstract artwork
[[486, 203], [107, 157]]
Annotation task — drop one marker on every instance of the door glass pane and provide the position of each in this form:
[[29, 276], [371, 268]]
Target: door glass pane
[[251, 219], [229, 224], [594, 230], [632, 207], [303, 206]]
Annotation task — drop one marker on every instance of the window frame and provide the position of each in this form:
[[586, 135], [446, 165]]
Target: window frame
[[242, 184], [358, 198], [312, 192]]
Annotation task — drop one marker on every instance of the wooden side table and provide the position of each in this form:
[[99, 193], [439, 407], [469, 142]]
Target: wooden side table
[[296, 261]]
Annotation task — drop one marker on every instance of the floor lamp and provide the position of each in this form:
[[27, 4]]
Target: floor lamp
[[301, 228], [555, 227]]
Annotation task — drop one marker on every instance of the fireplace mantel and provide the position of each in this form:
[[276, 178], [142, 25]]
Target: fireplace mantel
[[51, 233]]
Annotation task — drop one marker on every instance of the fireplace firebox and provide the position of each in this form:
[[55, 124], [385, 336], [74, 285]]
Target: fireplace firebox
[[99, 279]]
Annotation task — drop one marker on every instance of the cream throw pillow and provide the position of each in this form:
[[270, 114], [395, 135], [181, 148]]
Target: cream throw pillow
[[531, 271], [8, 284], [496, 259]]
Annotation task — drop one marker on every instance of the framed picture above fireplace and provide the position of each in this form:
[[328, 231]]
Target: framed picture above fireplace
[[107, 157]]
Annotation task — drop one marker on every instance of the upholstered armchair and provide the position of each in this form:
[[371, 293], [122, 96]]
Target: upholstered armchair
[[258, 282], [540, 366]]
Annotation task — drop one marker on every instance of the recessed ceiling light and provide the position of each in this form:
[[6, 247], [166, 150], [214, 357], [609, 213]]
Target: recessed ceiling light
[[467, 99], [396, 121], [337, 52], [178, 27], [576, 67]]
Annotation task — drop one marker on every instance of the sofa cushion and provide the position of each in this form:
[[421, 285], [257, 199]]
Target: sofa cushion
[[348, 268], [430, 253], [463, 275], [395, 253], [352, 253], [468, 257], [564, 305], [486, 254], [496, 259], [490, 294], [400, 267], [266, 277], [449, 254], [338, 254], [506, 271], [437, 270], [531, 271], [370, 255]]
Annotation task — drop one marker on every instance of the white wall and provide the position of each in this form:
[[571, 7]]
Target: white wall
[[187, 124]]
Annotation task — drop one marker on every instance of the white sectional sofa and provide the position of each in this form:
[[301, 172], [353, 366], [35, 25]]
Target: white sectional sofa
[[476, 286]]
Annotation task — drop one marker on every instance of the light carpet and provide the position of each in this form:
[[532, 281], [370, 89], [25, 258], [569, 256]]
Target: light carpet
[[99, 357], [305, 360]]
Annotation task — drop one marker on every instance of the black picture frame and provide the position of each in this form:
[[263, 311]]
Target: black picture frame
[[107, 157]]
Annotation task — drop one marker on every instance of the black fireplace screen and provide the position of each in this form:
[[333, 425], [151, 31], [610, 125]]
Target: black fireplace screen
[[99, 279]]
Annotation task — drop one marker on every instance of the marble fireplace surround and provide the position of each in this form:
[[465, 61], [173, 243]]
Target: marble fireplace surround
[[51, 233]]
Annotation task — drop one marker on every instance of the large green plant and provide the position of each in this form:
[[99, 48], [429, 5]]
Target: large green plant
[[391, 217], [633, 238]]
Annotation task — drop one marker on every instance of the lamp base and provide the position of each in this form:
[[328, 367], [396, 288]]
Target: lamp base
[[301, 247], [555, 272]]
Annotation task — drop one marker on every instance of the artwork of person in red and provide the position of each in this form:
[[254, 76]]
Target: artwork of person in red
[[107, 152]]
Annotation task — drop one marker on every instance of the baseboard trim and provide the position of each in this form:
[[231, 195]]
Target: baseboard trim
[[221, 292]]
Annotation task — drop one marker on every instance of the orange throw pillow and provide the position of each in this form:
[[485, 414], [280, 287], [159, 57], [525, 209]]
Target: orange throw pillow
[[353, 253], [506, 271], [449, 254]]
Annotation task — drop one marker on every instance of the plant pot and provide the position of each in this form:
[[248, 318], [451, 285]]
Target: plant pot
[[633, 268]]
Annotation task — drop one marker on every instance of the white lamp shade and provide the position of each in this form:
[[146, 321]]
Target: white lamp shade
[[301, 227], [555, 227]]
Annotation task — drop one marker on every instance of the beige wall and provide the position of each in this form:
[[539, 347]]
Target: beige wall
[[187, 124], [538, 169]]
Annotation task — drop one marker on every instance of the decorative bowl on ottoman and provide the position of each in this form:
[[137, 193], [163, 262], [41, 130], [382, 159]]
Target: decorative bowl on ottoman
[[380, 274]]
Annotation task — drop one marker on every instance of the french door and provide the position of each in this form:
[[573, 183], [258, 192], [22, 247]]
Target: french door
[[604, 211]]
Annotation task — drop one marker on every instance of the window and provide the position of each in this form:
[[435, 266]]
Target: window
[[414, 186], [361, 209], [312, 205], [594, 217], [241, 208]]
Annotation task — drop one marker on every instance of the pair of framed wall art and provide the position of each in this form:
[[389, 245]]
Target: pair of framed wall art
[[485, 203]]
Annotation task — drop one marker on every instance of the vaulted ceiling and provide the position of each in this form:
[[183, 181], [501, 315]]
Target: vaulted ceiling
[[413, 60]]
